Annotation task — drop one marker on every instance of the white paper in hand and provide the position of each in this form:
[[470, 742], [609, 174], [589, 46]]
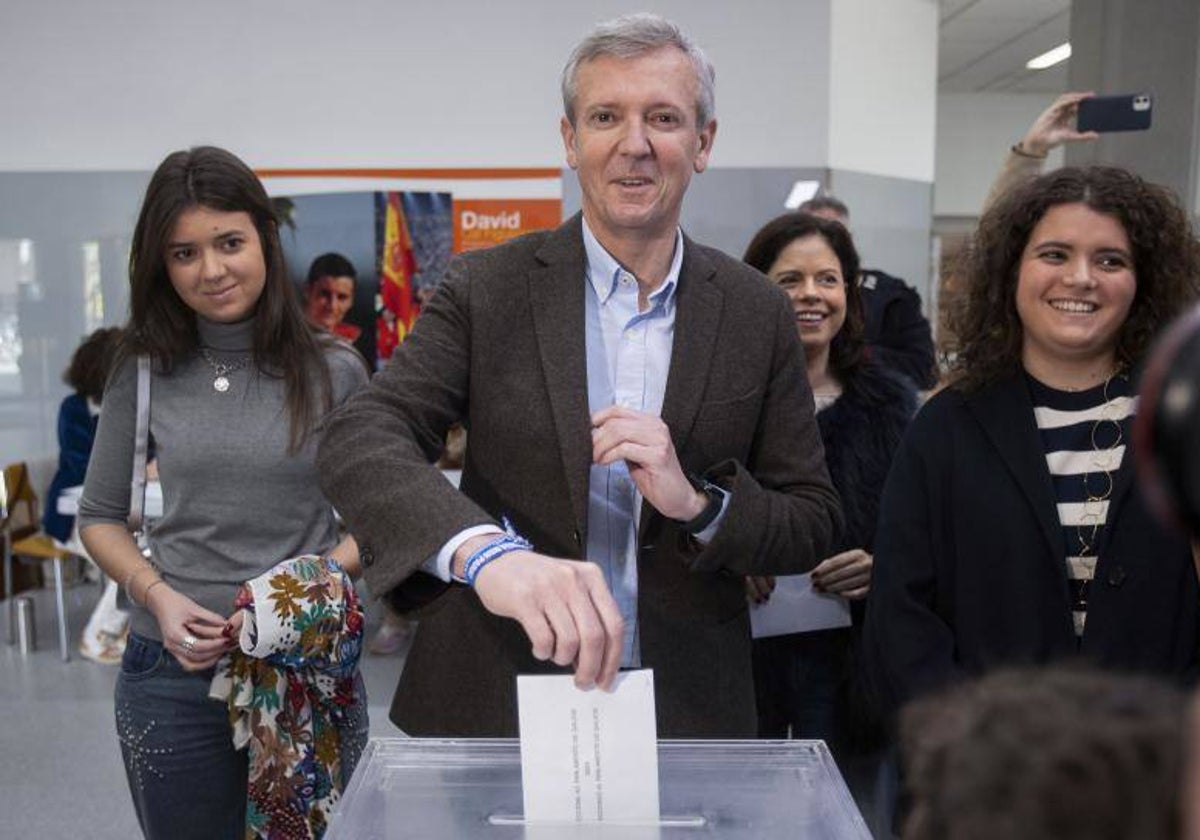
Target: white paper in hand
[[589, 756], [795, 607]]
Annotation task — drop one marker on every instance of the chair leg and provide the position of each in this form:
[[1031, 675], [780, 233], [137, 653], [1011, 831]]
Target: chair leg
[[8, 592], [61, 598]]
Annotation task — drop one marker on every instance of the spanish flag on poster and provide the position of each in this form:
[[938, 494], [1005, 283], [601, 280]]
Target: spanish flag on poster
[[397, 310]]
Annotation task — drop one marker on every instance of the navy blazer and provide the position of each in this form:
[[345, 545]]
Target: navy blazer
[[970, 569]]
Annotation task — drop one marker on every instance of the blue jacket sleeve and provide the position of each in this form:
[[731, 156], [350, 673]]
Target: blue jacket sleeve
[[76, 433]]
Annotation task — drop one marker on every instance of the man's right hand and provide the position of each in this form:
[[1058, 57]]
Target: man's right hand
[[564, 606]]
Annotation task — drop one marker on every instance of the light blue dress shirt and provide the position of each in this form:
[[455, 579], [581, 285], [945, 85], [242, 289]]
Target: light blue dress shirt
[[628, 357]]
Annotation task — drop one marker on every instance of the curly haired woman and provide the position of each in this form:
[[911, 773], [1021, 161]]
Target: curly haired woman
[[1011, 530]]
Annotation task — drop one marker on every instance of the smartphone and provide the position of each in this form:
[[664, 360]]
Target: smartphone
[[1124, 112]]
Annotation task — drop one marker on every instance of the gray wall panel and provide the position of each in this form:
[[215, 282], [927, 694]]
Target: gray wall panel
[[1120, 46], [890, 219]]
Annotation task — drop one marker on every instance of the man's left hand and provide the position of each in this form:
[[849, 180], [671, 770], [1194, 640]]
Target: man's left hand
[[643, 441]]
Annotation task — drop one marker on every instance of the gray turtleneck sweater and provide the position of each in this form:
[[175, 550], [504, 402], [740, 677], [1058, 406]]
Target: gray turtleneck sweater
[[235, 502]]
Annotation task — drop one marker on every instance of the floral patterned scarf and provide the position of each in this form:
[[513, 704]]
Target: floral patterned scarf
[[289, 686]]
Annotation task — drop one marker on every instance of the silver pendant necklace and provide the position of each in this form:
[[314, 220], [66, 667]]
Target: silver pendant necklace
[[221, 370]]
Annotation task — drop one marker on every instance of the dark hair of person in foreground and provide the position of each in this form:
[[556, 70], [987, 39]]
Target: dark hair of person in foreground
[[1051, 754]]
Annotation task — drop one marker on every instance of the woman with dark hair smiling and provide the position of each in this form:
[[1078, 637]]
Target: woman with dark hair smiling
[[804, 681], [1011, 531], [239, 385]]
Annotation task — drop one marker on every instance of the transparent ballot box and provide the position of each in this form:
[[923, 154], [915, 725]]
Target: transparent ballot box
[[465, 789]]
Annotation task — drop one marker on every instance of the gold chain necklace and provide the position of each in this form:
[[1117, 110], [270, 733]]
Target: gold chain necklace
[[1102, 461]]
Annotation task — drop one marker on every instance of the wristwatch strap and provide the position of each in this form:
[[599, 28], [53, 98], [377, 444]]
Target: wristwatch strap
[[713, 509]]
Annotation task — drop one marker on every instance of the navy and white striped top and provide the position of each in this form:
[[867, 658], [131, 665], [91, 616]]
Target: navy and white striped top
[[1084, 435]]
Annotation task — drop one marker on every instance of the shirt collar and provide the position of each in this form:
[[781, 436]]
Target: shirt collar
[[603, 270]]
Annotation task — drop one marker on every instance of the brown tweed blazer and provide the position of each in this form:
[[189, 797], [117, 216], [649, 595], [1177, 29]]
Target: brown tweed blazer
[[501, 347]]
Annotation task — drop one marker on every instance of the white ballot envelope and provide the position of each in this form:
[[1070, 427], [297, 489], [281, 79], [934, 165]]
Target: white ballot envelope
[[795, 607], [589, 756]]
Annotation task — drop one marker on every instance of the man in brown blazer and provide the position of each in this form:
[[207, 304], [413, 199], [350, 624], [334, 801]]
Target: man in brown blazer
[[638, 410]]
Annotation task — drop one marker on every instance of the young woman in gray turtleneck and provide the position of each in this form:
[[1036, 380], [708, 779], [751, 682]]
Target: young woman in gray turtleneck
[[239, 388]]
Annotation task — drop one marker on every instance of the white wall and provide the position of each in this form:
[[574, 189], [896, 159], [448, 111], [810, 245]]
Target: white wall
[[842, 84], [974, 133], [883, 87], [370, 83], [93, 95]]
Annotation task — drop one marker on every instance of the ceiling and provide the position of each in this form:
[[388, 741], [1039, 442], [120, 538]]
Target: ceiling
[[983, 45]]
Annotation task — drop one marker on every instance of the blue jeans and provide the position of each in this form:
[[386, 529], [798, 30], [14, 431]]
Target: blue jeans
[[186, 778]]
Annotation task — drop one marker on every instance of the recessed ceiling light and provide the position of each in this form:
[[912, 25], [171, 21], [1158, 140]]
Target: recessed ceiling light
[[1051, 57]]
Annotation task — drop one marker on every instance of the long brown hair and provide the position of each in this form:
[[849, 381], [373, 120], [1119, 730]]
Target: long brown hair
[[164, 327], [1166, 262]]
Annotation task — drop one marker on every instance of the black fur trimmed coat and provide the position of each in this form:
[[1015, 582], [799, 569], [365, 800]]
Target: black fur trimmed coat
[[861, 432]]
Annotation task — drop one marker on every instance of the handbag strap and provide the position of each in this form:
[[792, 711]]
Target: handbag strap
[[141, 445]]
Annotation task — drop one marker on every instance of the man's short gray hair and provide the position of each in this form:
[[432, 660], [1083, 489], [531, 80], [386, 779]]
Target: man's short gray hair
[[631, 36]]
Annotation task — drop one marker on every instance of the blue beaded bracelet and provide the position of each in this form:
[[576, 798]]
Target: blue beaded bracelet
[[503, 544]]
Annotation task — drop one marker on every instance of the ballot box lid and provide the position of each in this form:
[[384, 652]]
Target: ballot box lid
[[464, 789]]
